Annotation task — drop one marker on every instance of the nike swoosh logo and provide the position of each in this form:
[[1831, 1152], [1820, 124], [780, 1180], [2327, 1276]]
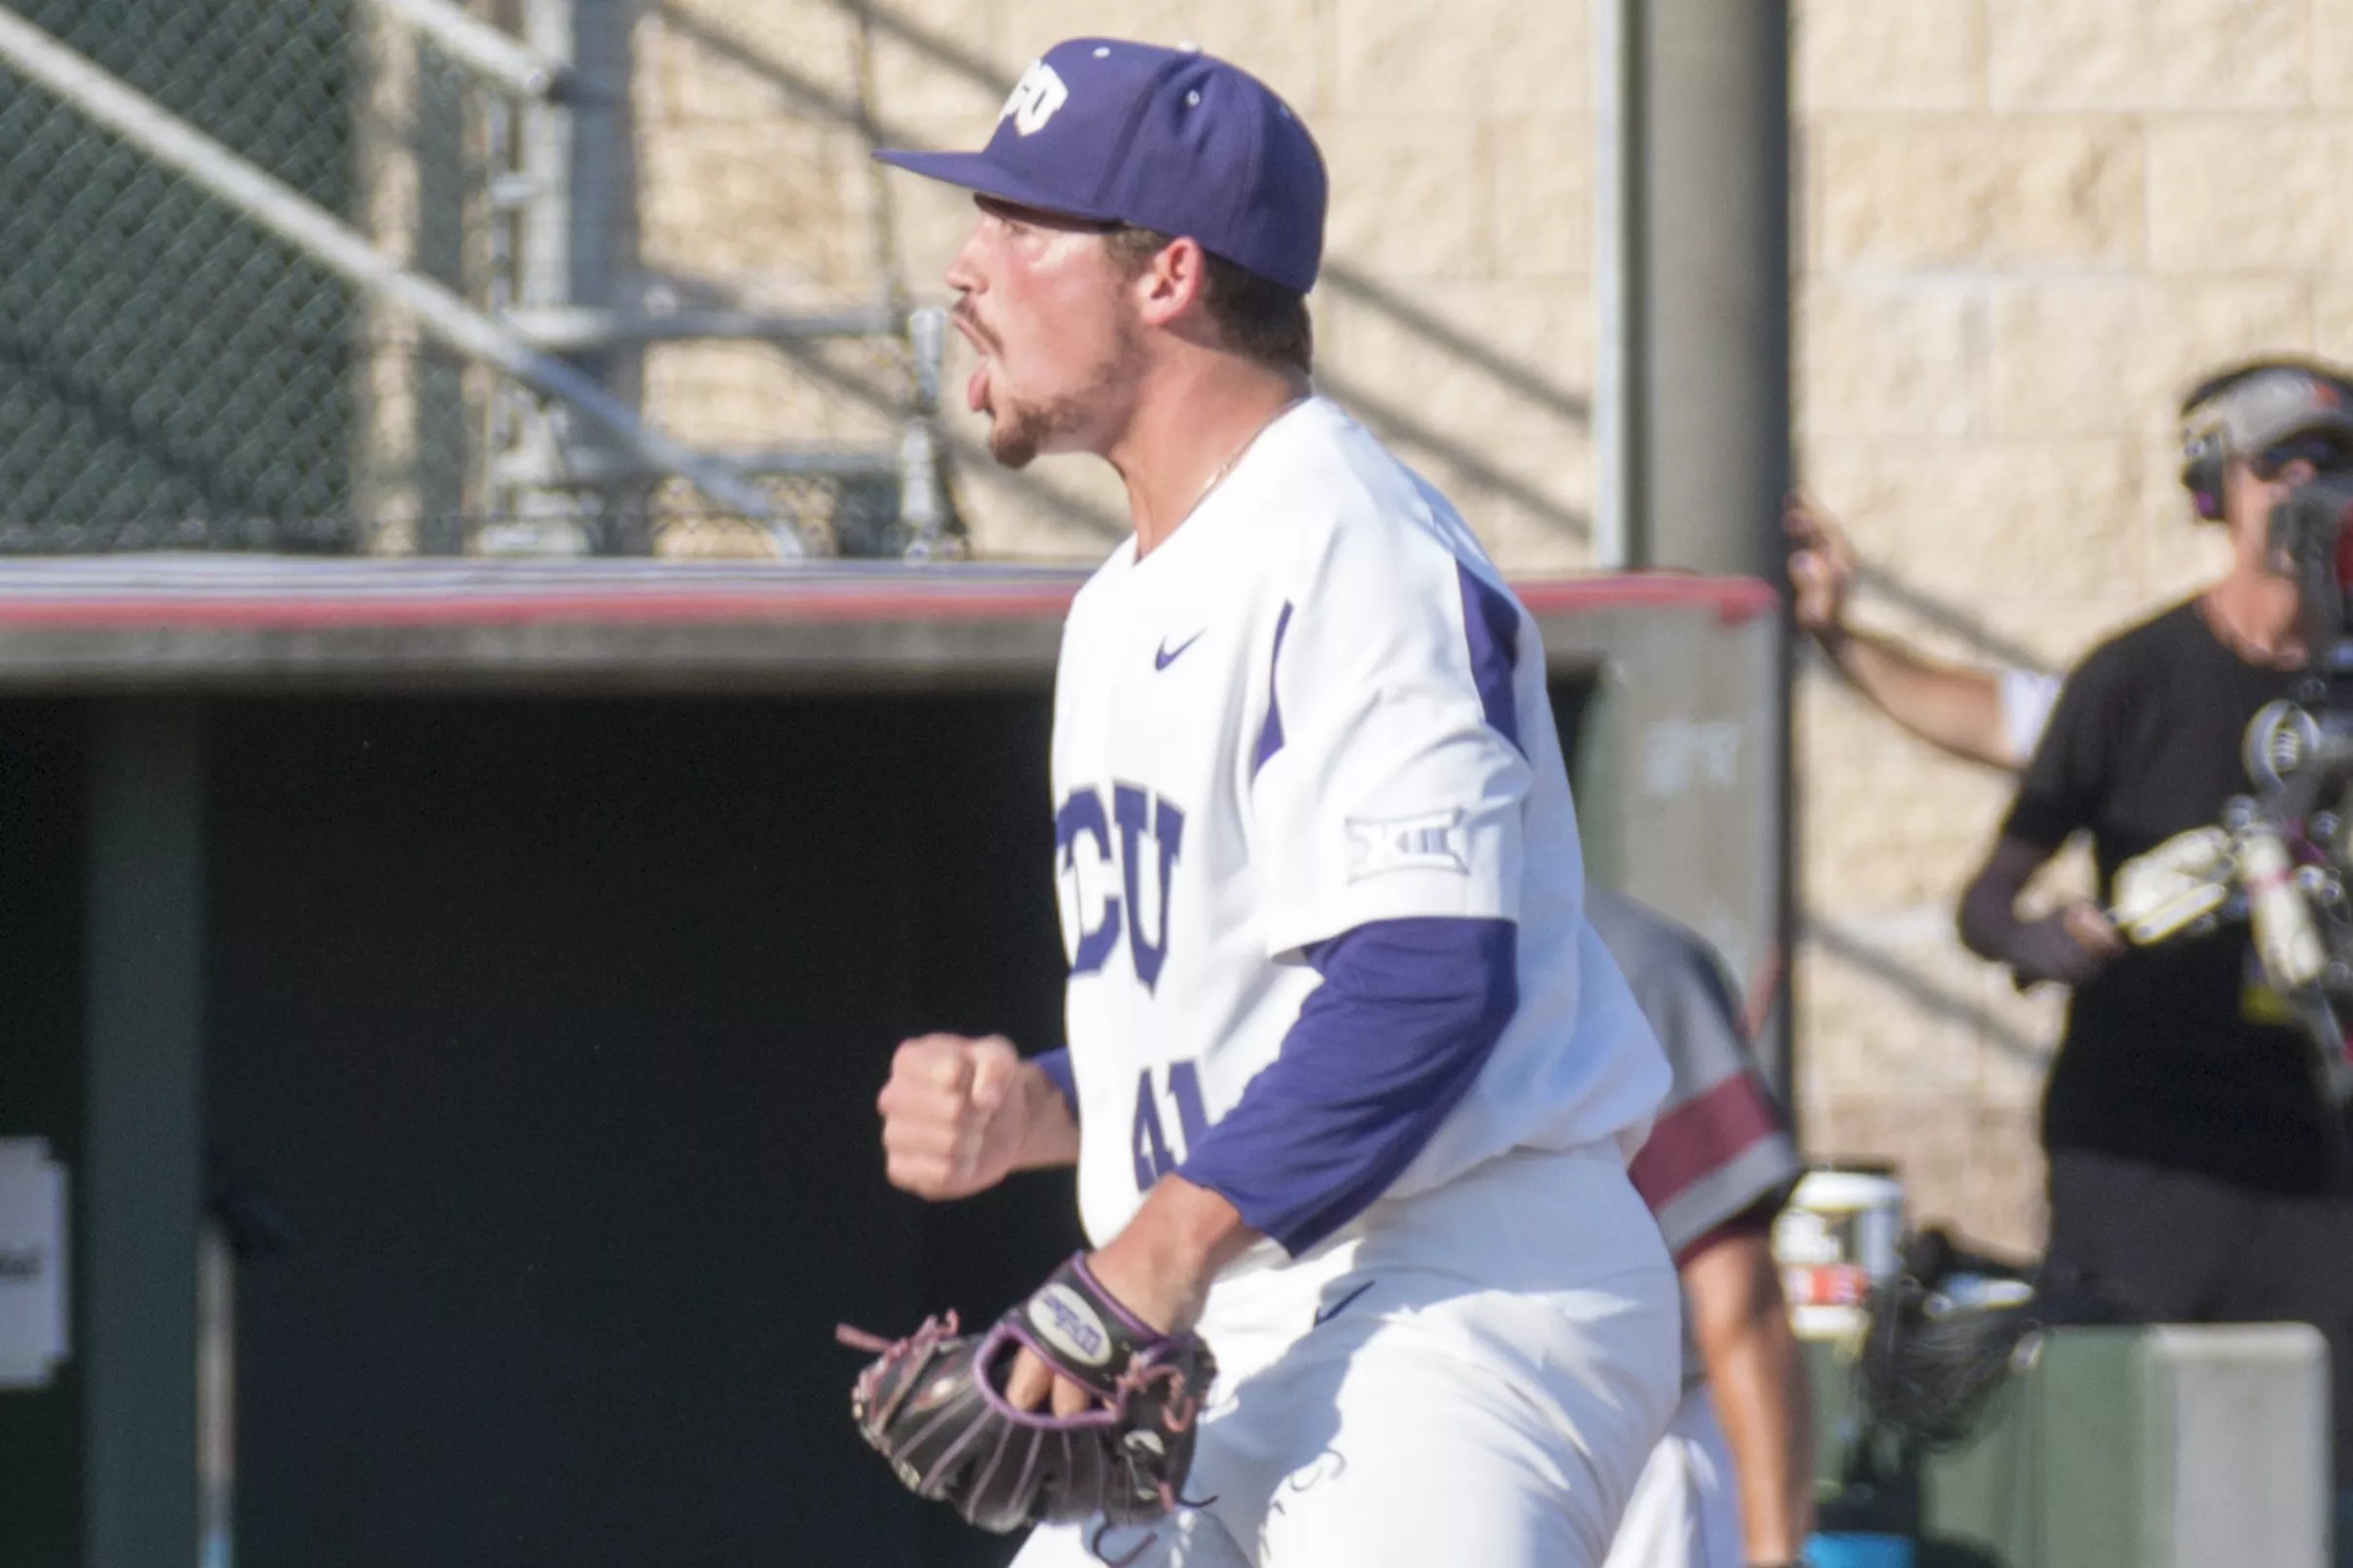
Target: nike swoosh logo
[[1326, 1314], [1168, 655]]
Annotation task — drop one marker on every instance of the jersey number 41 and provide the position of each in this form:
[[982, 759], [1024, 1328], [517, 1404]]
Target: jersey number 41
[[1153, 1157]]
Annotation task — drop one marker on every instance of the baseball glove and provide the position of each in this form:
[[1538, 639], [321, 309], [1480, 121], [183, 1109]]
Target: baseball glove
[[933, 1405]]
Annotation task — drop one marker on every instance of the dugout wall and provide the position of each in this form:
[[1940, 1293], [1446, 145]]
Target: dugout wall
[[513, 955]]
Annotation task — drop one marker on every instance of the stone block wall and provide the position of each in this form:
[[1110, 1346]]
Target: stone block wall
[[1456, 315]]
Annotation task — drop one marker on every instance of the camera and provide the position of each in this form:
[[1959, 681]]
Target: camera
[[2282, 857], [2300, 751], [2310, 541], [2287, 859]]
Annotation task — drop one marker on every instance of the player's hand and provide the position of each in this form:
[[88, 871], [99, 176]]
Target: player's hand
[[2069, 946], [948, 1128], [1032, 1384], [1821, 566], [1160, 1300]]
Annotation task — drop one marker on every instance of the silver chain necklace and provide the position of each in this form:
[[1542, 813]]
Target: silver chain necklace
[[1252, 440]]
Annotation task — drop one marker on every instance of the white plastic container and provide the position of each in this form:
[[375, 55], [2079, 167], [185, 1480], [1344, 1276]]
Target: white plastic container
[[1840, 1234]]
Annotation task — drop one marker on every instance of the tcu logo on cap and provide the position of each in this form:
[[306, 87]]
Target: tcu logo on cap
[[1035, 98]]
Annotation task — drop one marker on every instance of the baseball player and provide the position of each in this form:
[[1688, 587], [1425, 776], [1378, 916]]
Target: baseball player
[[1715, 1171], [1351, 1084]]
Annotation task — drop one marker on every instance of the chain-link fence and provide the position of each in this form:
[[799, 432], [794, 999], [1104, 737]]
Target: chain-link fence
[[302, 276]]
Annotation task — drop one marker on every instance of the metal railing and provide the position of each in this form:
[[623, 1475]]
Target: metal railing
[[300, 274]]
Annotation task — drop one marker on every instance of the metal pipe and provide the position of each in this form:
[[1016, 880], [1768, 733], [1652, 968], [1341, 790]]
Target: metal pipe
[[496, 56], [583, 221], [922, 503], [1706, 294], [1617, 403], [533, 469], [585, 329], [1712, 202], [141, 1177], [335, 246], [927, 341]]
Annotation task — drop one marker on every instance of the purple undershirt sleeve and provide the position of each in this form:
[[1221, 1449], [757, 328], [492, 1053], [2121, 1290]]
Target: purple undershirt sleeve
[[1407, 1014], [1056, 1065]]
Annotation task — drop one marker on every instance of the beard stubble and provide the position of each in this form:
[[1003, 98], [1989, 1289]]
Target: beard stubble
[[1020, 429]]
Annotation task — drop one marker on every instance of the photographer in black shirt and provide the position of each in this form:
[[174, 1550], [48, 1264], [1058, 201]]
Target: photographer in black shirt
[[2197, 1173]]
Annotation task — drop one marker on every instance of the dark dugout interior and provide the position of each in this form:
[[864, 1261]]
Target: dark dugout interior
[[542, 1038]]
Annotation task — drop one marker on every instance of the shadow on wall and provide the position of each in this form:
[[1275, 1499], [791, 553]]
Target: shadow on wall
[[1383, 415], [1929, 998]]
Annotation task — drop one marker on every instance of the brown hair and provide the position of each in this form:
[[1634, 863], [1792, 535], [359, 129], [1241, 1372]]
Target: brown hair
[[1258, 316]]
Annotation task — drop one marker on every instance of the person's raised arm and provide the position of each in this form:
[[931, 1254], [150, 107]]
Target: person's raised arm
[[1956, 708]]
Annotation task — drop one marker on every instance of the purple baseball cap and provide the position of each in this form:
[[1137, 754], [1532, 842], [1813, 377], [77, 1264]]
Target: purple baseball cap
[[1167, 139]]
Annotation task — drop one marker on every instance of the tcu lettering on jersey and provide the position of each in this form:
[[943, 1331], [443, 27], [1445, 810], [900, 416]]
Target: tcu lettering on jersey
[[1150, 836]]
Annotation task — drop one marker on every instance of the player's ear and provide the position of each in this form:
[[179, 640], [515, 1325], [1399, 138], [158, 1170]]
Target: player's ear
[[1174, 281]]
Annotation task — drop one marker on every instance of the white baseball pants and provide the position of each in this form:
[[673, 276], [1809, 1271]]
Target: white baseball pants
[[1469, 1376]]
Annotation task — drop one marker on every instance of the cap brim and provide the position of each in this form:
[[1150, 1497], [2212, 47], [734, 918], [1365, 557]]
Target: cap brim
[[2337, 423], [978, 174]]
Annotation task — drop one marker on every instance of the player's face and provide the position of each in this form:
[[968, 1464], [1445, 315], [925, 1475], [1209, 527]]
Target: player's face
[[1045, 305]]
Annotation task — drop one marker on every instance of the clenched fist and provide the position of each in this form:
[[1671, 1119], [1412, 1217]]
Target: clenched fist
[[953, 1122]]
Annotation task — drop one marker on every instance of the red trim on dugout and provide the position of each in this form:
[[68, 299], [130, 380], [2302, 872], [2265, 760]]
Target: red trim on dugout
[[1734, 599], [1701, 1136], [325, 606], [261, 612]]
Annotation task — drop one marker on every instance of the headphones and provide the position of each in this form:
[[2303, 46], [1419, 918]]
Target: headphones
[[2203, 448], [2206, 426]]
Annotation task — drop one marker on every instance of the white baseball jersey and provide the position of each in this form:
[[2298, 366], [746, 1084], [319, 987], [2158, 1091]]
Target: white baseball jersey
[[1311, 707]]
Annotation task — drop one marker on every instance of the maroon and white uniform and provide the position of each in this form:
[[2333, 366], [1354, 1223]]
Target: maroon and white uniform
[[1717, 1155]]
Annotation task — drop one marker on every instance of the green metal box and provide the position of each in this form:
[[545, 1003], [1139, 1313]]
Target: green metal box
[[2112, 1448]]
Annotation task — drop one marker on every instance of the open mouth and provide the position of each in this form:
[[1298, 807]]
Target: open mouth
[[976, 390]]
